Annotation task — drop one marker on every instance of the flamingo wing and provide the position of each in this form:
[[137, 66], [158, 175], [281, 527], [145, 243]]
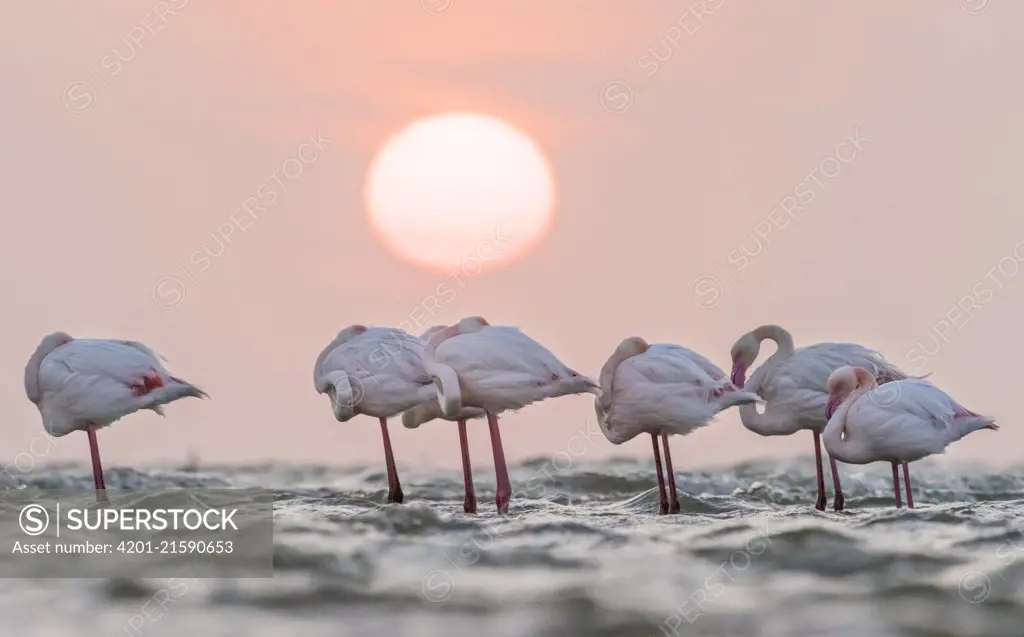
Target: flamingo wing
[[321, 367], [911, 418], [924, 400], [709, 368], [908, 418], [498, 349], [381, 353], [665, 364], [808, 369], [661, 389], [142, 347], [128, 363]]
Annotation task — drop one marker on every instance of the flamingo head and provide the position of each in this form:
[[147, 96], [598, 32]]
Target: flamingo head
[[439, 333], [633, 346], [55, 340], [581, 384], [472, 324], [743, 353], [413, 418], [844, 381], [350, 332]]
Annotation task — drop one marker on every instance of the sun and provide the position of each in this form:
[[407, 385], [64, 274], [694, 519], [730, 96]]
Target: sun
[[460, 190]]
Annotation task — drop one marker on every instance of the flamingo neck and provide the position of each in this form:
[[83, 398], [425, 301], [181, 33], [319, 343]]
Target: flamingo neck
[[32, 378], [320, 382], [627, 349], [343, 395], [440, 336], [777, 334], [836, 438], [784, 349], [603, 401], [449, 393], [770, 423], [616, 436], [48, 344]]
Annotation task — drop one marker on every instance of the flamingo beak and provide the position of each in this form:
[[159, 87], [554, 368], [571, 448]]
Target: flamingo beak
[[830, 408], [589, 384], [739, 375]]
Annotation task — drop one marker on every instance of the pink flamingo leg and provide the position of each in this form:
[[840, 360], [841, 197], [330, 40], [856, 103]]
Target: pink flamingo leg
[[896, 484], [820, 504], [906, 480], [97, 466], [663, 499], [395, 494], [500, 469], [673, 504], [840, 501], [469, 504]]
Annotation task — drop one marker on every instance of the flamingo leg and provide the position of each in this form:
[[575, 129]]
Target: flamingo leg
[[673, 503], [469, 504], [395, 494], [839, 499], [820, 504], [906, 481], [896, 484], [663, 498], [97, 466], [500, 468]]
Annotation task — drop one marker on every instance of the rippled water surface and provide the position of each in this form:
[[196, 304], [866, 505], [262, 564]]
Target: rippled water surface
[[582, 553]]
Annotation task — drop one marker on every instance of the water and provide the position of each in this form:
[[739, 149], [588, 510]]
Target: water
[[582, 553]]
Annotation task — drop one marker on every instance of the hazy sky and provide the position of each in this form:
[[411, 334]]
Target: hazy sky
[[683, 138]]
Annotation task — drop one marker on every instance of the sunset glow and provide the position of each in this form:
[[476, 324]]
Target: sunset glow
[[443, 189]]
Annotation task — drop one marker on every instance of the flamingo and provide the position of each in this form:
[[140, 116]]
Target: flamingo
[[431, 410], [85, 384], [496, 368], [376, 371], [664, 390], [901, 422], [793, 382]]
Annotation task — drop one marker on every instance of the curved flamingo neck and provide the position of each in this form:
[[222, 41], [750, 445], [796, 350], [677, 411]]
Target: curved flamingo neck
[[442, 335], [449, 393], [779, 335], [343, 395], [836, 437], [784, 349], [46, 346], [627, 349], [770, 423]]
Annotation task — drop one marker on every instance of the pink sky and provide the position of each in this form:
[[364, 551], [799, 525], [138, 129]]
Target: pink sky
[[660, 205]]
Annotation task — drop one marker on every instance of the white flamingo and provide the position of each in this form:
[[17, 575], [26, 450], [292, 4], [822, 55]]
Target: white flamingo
[[664, 390], [84, 384], [496, 368], [793, 382], [376, 371], [899, 423], [431, 410]]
